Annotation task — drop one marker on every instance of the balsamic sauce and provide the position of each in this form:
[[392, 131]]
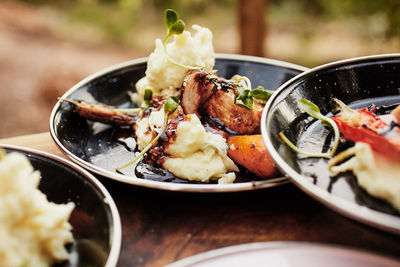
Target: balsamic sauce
[[151, 172], [150, 166]]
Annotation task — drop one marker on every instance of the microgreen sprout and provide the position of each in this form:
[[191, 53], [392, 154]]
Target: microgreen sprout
[[170, 106], [174, 26], [246, 95], [147, 97], [261, 94], [148, 94], [313, 110]]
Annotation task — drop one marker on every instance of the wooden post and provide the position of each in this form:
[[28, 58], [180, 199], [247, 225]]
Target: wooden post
[[252, 27]]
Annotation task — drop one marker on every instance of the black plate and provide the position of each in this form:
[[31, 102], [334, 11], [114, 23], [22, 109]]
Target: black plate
[[95, 146], [359, 83], [95, 219]]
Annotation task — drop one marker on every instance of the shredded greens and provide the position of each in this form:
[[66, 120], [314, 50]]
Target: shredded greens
[[170, 106], [313, 110]]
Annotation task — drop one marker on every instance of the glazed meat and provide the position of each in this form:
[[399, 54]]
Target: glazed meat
[[203, 94], [221, 105], [197, 88]]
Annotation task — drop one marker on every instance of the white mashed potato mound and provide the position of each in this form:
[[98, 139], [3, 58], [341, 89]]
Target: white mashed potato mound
[[33, 231], [164, 77], [377, 174], [195, 155]]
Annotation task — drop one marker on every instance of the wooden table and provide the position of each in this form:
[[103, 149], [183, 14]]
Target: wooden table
[[160, 227]]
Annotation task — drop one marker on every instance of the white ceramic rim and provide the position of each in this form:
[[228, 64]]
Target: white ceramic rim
[[116, 231], [164, 185], [362, 214], [225, 251]]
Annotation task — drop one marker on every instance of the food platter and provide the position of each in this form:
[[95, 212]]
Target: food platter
[[359, 83], [286, 254], [95, 219], [95, 147]]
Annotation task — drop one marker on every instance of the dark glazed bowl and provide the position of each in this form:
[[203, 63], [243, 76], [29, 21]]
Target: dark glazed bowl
[[358, 82], [94, 146], [95, 218]]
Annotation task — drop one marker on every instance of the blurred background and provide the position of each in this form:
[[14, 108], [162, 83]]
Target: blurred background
[[46, 46]]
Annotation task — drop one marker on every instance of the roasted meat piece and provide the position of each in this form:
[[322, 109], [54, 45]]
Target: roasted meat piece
[[197, 88], [221, 105], [204, 94]]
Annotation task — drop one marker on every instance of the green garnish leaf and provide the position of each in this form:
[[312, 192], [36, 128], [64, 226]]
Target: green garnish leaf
[[171, 17], [147, 97], [178, 27], [174, 26], [314, 111], [261, 94], [171, 104], [173, 23], [242, 92], [245, 98], [310, 108], [148, 94]]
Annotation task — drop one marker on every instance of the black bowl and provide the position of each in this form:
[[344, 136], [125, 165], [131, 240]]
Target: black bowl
[[357, 82], [95, 146], [95, 219]]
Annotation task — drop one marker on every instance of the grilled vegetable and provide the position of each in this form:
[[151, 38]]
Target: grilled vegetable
[[364, 126], [250, 152]]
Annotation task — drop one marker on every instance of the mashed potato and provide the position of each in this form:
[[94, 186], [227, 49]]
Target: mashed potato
[[164, 77], [377, 174], [195, 155], [33, 231]]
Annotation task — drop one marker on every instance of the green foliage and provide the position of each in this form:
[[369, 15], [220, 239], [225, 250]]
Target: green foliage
[[120, 20], [388, 10]]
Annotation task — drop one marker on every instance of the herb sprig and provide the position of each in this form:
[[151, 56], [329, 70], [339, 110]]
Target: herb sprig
[[170, 106], [313, 110], [147, 97], [245, 95], [174, 26]]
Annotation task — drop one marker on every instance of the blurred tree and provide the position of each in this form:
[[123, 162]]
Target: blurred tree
[[385, 12], [252, 27]]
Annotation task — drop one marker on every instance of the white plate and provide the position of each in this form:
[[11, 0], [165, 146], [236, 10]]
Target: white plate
[[287, 254]]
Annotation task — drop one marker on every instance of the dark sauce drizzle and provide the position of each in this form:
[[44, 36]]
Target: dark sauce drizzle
[[150, 166]]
